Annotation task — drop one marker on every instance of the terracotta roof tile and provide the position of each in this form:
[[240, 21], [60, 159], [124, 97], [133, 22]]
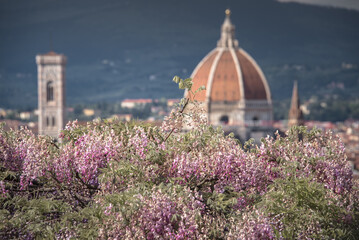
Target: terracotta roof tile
[[225, 86], [253, 83], [226, 82], [201, 76]]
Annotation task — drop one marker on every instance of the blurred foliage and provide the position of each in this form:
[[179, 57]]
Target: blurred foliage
[[110, 180]]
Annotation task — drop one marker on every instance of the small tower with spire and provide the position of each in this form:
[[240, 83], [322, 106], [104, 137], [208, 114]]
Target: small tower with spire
[[295, 117]]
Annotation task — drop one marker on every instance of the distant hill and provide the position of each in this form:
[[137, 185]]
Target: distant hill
[[132, 49]]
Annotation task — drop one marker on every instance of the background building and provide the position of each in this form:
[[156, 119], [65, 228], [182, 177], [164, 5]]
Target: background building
[[51, 93], [237, 94], [295, 116]]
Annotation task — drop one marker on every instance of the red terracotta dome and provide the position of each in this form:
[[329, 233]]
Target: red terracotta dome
[[229, 73]]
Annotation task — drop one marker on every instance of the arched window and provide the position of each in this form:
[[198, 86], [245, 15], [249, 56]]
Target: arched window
[[255, 120], [53, 121], [47, 121], [50, 91], [224, 119]]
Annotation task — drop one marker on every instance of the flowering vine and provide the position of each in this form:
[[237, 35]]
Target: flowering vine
[[183, 180]]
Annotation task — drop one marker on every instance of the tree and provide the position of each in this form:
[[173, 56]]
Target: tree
[[136, 181]]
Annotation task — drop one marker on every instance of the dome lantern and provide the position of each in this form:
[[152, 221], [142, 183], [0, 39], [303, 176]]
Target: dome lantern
[[227, 39]]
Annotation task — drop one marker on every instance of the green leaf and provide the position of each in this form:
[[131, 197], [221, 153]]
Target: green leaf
[[176, 79], [181, 85]]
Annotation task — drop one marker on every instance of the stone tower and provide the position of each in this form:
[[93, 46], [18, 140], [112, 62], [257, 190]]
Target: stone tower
[[51, 93], [295, 117]]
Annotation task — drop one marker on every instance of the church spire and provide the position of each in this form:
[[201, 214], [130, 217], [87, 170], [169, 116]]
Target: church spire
[[295, 113], [227, 39]]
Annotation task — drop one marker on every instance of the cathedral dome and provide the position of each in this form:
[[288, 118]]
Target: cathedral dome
[[229, 73]]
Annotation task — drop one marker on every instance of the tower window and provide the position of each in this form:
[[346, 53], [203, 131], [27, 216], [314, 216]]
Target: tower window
[[53, 121], [224, 119], [47, 121], [50, 91]]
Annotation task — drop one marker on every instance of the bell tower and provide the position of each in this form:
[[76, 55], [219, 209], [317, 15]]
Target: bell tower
[[51, 93], [295, 116]]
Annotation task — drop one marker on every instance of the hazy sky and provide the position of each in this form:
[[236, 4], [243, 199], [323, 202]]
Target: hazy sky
[[120, 49], [349, 4]]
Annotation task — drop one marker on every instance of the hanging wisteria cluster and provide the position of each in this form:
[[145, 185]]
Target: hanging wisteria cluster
[[113, 180]]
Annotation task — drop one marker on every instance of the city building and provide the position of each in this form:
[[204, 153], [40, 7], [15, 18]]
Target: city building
[[295, 116], [172, 102], [237, 94], [132, 103], [51, 93], [88, 112]]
